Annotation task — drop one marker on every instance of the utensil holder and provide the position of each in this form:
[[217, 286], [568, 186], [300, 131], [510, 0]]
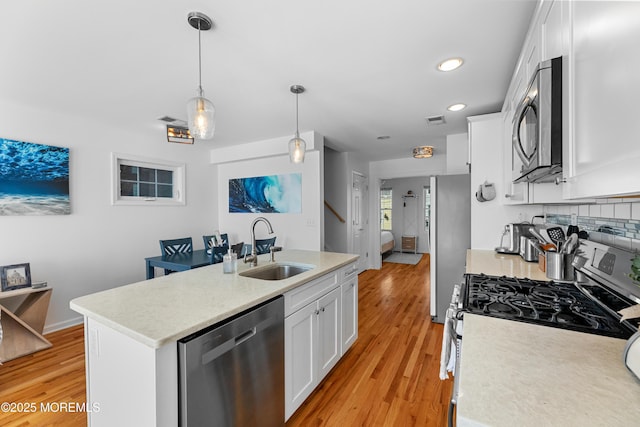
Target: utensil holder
[[559, 266]]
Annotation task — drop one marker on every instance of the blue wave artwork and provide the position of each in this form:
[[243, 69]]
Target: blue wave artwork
[[266, 194], [34, 179]]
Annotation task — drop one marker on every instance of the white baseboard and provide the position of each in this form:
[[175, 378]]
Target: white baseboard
[[63, 325]]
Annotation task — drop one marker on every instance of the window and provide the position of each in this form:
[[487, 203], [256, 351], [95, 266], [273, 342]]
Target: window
[[141, 181], [386, 203], [427, 207]]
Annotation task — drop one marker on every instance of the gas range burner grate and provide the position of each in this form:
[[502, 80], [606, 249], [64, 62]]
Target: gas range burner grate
[[556, 304]]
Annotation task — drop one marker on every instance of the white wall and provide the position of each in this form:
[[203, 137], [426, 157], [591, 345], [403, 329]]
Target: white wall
[[489, 218], [457, 154], [99, 246], [299, 231]]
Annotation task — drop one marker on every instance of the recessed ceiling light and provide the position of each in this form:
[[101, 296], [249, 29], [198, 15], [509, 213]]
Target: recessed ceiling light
[[457, 107], [450, 64]]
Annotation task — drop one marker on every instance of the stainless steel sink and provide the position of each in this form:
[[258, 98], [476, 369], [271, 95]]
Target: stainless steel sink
[[277, 271]]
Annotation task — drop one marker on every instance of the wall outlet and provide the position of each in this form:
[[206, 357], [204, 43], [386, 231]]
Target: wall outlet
[[311, 222], [574, 219]]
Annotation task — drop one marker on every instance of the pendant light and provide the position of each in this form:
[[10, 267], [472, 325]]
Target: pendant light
[[297, 146], [200, 111]]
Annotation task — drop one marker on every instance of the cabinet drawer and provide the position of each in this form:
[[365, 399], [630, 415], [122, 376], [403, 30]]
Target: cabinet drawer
[[297, 298], [346, 273], [408, 242]]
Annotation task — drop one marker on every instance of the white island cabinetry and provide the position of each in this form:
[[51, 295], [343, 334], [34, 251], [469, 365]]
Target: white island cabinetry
[[315, 325], [132, 332]]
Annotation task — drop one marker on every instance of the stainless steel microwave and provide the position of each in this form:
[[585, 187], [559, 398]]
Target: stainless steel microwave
[[537, 125]]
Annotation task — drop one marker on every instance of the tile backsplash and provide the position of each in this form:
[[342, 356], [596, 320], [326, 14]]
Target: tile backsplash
[[614, 222]]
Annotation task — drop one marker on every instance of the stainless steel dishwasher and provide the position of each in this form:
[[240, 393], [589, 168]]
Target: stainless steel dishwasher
[[232, 373]]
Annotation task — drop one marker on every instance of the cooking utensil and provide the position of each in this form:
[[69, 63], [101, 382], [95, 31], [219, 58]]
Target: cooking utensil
[[572, 229], [534, 233], [570, 244], [556, 234]]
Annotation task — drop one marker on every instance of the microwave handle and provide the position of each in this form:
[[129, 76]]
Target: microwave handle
[[515, 139]]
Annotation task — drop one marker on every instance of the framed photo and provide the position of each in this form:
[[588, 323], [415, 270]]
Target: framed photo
[[15, 276]]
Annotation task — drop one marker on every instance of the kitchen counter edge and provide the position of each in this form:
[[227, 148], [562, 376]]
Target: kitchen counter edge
[[165, 309]]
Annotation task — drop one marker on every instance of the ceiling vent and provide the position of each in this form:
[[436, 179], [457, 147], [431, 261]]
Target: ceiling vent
[[172, 121], [435, 120]]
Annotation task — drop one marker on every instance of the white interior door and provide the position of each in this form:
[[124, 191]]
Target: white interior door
[[359, 219]]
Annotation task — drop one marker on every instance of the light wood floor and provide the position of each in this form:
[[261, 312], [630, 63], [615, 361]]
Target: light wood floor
[[388, 378], [390, 375]]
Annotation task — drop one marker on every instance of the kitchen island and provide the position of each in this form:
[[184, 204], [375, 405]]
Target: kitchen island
[[515, 373], [131, 332]]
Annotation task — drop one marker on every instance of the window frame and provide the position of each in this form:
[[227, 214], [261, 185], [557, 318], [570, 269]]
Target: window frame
[[426, 193], [390, 209], [178, 181]]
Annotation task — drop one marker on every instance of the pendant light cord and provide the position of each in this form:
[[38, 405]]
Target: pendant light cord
[[200, 92], [297, 131]]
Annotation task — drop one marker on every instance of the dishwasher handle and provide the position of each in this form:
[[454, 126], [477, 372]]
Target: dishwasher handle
[[245, 336], [233, 342]]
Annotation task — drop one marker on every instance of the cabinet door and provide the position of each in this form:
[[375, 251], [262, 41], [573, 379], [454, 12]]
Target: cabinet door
[[553, 26], [605, 151], [329, 335], [349, 302], [300, 348]]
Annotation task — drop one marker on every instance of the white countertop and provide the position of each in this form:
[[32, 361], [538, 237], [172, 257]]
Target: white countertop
[[167, 308], [516, 373], [492, 263]]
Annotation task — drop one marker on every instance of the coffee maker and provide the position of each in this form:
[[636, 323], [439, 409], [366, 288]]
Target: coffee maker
[[511, 234]]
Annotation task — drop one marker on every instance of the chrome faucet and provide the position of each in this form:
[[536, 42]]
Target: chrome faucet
[[253, 258]]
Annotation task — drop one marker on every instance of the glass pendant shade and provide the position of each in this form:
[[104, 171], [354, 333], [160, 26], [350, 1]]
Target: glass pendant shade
[[201, 117], [297, 148]]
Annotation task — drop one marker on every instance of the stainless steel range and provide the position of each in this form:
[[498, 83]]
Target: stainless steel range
[[589, 304], [557, 304]]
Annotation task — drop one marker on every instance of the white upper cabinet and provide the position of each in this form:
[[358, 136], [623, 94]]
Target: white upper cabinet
[[600, 152], [554, 30], [604, 157]]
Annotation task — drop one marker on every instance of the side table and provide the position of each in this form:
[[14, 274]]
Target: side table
[[409, 243], [22, 328]]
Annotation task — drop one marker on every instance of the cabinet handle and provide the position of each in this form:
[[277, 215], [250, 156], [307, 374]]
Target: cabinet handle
[[508, 195], [323, 309], [317, 312], [560, 180], [353, 284]]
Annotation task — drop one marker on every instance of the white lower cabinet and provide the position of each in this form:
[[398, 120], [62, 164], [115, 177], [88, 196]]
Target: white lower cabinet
[[314, 334], [349, 290]]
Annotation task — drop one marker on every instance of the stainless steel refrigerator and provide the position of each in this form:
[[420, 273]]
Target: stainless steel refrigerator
[[450, 235]]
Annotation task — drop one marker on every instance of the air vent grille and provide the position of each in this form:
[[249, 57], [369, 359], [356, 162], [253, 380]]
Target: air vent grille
[[173, 121], [435, 120]]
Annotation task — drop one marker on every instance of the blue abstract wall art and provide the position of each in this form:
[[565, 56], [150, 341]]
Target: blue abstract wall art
[[266, 194], [34, 179]]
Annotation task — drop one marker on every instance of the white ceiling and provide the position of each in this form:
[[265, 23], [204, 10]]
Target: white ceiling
[[369, 66]]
